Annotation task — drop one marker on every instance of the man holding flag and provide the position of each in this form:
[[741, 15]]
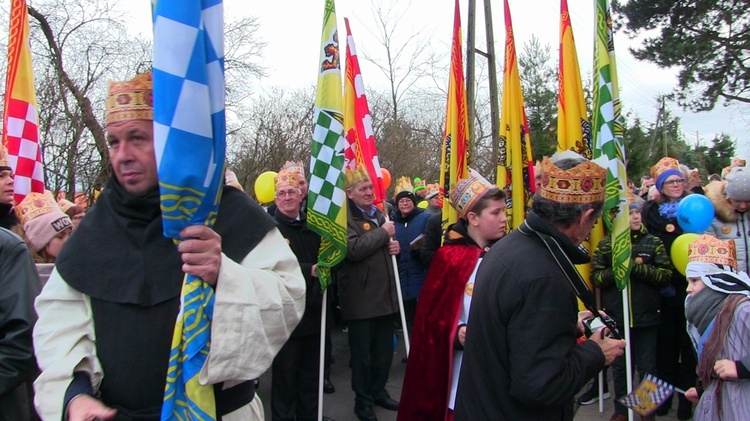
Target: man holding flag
[[107, 314]]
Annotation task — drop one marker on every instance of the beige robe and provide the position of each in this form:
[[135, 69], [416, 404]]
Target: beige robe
[[258, 304]]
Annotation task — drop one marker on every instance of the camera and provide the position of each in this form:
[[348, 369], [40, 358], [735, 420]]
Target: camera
[[594, 324]]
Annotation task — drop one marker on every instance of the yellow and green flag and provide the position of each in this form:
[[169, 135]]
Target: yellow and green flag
[[608, 142], [326, 202], [515, 159], [454, 156]]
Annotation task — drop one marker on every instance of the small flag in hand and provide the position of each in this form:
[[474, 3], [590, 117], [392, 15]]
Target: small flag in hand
[[648, 396]]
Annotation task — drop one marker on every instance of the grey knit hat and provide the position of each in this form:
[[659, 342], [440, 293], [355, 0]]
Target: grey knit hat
[[738, 184]]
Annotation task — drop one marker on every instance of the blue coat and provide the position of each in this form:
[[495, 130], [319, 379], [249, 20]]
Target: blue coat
[[410, 268]]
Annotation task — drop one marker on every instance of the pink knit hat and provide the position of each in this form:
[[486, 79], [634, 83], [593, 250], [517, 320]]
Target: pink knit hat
[[42, 219]]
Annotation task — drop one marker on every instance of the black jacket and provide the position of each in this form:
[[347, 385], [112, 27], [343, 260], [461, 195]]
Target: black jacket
[[651, 269], [19, 285], [521, 360], [667, 229], [305, 243]]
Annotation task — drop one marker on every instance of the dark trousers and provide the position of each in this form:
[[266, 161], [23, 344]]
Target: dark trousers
[[675, 359], [294, 379], [371, 345], [643, 351]]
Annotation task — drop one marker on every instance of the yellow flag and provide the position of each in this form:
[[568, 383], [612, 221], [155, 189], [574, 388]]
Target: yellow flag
[[454, 165]]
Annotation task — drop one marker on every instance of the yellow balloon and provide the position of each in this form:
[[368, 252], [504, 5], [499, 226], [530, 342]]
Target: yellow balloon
[[679, 251], [265, 189], [423, 204]]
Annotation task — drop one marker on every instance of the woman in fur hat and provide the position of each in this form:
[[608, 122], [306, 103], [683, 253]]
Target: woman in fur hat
[[731, 199]]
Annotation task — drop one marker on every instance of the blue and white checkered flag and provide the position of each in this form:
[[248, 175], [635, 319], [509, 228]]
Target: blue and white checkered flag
[[189, 138], [648, 396]]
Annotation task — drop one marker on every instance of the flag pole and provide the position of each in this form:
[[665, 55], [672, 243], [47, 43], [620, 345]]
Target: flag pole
[[400, 298], [321, 360], [626, 330]]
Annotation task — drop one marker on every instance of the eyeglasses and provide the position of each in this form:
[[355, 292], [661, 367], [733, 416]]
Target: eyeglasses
[[285, 193], [404, 201], [674, 182]]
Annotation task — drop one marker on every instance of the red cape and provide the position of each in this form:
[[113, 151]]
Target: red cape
[[428, 372]]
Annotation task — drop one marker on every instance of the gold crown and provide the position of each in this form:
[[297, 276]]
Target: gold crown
[[34, 205], [286, 178], [709, 249], [130, 100], [402, 184], [356, 175], [65, 205], [4, 164], [432, 190], [663, 165], [582, 184], [467, 191], [295, 167]]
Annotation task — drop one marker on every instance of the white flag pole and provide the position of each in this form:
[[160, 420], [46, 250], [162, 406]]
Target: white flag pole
[[400, 298], [626, 331], [321, 371]]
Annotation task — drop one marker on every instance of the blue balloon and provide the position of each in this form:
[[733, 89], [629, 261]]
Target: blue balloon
[[695, 213]]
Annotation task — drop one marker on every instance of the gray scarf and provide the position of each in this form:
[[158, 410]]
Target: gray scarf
[[701, 309]]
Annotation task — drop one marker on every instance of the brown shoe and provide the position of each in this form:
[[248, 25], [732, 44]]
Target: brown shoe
[[619, 417]]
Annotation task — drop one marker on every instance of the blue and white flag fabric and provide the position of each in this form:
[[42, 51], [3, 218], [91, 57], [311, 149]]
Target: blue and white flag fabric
[[190, 143], [648, 396]]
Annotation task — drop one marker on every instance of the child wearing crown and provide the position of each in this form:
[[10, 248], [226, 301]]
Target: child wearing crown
[[718, 314]]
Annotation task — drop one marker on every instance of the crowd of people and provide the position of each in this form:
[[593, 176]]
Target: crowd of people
[[89, 297]]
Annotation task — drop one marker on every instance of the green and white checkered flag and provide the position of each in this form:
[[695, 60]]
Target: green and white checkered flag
[[326, 201]]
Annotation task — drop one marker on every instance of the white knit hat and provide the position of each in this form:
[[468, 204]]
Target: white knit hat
[[738, 184]]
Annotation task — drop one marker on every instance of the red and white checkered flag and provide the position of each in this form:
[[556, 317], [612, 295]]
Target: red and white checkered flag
[[20, 124]]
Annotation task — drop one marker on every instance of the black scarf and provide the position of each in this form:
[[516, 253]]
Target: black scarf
[[8, 218], [702, 308], [119, 253]]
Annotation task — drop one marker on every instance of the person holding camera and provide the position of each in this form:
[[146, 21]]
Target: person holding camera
[[521, 358], [651, 269]]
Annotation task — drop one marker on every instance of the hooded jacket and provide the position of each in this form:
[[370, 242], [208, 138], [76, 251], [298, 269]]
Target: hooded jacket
[[728, 224]]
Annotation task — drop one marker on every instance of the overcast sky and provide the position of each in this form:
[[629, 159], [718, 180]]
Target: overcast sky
[[292, 30]]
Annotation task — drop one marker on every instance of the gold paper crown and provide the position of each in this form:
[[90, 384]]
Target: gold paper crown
[[4, 164], [738, 162], [402, 184], [419, 184], [356, 175], [467, 191], [709, 249], [432, 190], [130, 100], [663, 165], [695, 176], [66, 205], [579, 185], [34, 205], [295, 167], [286, 178]]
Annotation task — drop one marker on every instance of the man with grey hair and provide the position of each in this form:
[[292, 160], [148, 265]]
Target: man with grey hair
[[521, 358]]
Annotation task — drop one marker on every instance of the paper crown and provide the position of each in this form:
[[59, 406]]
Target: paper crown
[[419, 184], [356, 175], [709, 249], [35, 205], [295, 167], [130, 100], [695, 176], [467, 192], [432, 190], [230, 179], [286, 178], [664, 164], [4, 164], [579, 185], [738, 162], [68, 207], [403, 184]]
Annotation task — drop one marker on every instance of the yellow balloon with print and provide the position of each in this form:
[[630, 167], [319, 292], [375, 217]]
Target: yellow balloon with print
[[265, 188], [679, 251]]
